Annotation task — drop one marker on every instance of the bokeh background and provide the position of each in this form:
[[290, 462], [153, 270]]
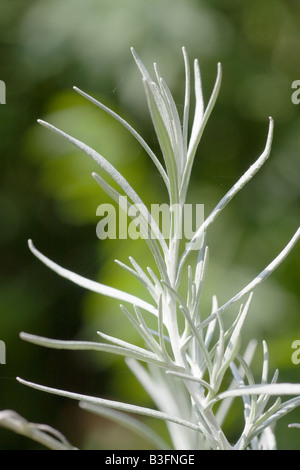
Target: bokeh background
[[48, 194]]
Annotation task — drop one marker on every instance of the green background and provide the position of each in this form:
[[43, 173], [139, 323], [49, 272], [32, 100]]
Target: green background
[[48, 194]]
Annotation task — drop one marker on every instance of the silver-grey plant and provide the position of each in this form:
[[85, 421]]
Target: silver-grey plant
[[183, 363]]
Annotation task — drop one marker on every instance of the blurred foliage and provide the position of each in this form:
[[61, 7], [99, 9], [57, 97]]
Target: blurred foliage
[[48, 194]]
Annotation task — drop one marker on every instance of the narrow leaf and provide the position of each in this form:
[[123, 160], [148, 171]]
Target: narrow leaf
[[144, 332], [145, 356], [120, 180], [111, 404], [147, 284], [158, 115], [186, 109], [149, 229], [123, 344], [247, 176], [265, 389], [199, 123], [258, 279], [41, 433]]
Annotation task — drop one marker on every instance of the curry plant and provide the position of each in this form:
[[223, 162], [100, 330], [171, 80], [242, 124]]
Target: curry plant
[[184, 361]]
